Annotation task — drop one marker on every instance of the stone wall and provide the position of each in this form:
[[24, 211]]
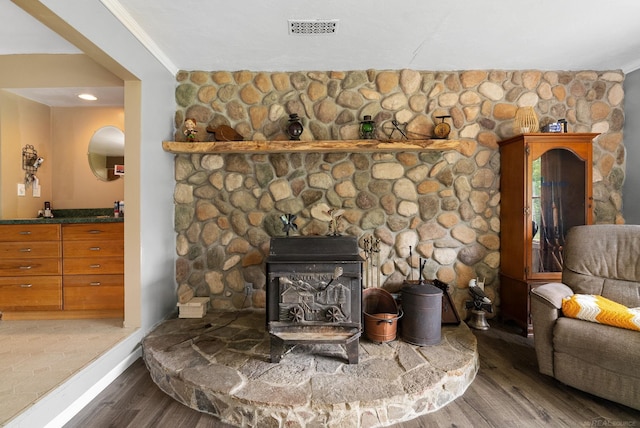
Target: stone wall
[[444, 205]]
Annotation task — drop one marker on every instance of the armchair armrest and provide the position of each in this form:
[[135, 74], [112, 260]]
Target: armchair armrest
[[553, 293], [546, 307]]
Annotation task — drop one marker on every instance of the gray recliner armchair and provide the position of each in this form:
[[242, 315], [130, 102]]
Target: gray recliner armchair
[[600, 359]]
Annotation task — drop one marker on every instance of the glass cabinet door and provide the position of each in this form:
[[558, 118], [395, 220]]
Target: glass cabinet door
[[558, 202]]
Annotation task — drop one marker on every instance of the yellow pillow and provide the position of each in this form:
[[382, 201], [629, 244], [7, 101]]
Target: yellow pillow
[[601, 310]]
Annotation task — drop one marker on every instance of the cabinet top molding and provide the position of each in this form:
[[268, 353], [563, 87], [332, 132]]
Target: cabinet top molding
[[324, 146], [550, 137]]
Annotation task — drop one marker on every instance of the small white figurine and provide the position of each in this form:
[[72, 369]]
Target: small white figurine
[[190, 129]]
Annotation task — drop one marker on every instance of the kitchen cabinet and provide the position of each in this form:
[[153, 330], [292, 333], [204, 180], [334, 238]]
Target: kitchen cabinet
[[62, 270], [93, 267], [30, 268], [545, 189]]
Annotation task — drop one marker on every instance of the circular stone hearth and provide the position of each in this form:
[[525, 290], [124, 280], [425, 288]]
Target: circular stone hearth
[[220, 364]]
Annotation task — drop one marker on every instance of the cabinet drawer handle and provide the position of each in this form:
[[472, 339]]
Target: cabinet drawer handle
[[25, 250], [96, 266], [25, 267], [95, 283], [94, 231], [25, 232], [26, 285], [94, 249]]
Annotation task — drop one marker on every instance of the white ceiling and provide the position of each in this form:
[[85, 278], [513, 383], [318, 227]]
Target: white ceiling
[[384, 34], [379, 34], [107, 96]]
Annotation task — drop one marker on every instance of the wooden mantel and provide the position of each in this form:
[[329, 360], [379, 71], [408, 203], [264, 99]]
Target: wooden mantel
[[325, 146]]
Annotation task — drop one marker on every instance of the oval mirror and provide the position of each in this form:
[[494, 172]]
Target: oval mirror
[[106, 153]]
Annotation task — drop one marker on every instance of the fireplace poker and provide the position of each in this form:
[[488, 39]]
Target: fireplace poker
[[410, 268], [367, 254], [375, 247]]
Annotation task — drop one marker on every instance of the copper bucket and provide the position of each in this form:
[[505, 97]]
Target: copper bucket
[[381, 315]]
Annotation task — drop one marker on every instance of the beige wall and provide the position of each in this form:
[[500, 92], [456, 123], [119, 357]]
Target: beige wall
[[61, 136], [74, 185], [23, 122], [65, 176]]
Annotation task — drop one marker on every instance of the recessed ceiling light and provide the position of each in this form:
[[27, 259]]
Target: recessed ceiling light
[[88, 97]]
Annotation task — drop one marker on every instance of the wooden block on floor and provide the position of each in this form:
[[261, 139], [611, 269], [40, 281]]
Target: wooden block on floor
[[194, 308]]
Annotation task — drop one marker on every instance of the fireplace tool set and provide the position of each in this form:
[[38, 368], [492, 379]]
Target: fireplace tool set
[[372, 262]]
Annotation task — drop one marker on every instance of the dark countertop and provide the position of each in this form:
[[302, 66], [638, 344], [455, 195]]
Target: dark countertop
[[85, 215]]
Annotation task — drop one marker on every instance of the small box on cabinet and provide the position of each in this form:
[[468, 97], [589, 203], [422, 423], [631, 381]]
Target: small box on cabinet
[[194, 308]]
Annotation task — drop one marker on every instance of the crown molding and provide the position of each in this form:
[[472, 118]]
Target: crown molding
[[122, 15]]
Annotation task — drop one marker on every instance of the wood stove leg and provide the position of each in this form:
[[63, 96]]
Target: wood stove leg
[[277, 349], [352, 350]]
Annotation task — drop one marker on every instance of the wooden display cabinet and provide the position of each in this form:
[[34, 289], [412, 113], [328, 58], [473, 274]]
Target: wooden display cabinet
[[546, 188]]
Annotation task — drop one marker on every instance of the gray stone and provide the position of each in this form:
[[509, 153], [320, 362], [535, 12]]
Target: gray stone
[[408, 209], [366, 201], [264, 174], [429, 206], [186, 94], [372, 219], [280, 164], [290, 206], [387, 171], [243, 200], [396, 223], [183, 216], [320, 180], [183, 193], [354, 79], [280, 189], [216, 377], [404, 188], [472, 254], [204, 192], [237, 163], [183, 167]]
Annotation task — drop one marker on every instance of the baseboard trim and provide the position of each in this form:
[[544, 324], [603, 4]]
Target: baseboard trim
[[67, 414]]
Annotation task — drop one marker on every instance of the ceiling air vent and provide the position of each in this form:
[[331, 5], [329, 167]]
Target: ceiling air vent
[[313, 26]]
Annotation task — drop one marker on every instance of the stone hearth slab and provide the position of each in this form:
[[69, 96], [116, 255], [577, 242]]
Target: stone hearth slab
[[220, 364]]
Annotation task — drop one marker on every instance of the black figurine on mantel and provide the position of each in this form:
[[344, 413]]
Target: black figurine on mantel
[[294, 127]]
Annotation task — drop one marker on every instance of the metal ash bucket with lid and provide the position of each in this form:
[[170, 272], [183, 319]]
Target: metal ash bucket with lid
[[422, 307]]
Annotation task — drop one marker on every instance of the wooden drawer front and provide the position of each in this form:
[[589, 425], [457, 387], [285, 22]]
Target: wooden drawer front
[[93, 265], [30, 267], [29, 232], [31, 293], [30, 250], [94, 292], [92, 248], [98, 232]]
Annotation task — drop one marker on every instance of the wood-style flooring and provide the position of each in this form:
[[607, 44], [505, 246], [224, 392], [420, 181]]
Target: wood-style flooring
[[507, 392]]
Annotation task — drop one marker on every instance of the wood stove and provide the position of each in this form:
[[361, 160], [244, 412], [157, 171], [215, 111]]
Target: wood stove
[[314, 293]]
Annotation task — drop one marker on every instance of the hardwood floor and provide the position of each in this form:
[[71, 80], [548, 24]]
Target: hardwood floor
[[507, 392]]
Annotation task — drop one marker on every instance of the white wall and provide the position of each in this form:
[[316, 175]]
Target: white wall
[[149, 236], [631, 188]]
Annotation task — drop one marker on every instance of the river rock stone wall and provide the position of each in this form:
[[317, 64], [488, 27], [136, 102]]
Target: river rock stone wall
[[444, 206]]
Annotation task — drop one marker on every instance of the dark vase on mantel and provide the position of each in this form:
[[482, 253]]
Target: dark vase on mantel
[[294, 127]]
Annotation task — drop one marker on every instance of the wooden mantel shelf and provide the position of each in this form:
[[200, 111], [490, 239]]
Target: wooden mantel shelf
[[325, 146]]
